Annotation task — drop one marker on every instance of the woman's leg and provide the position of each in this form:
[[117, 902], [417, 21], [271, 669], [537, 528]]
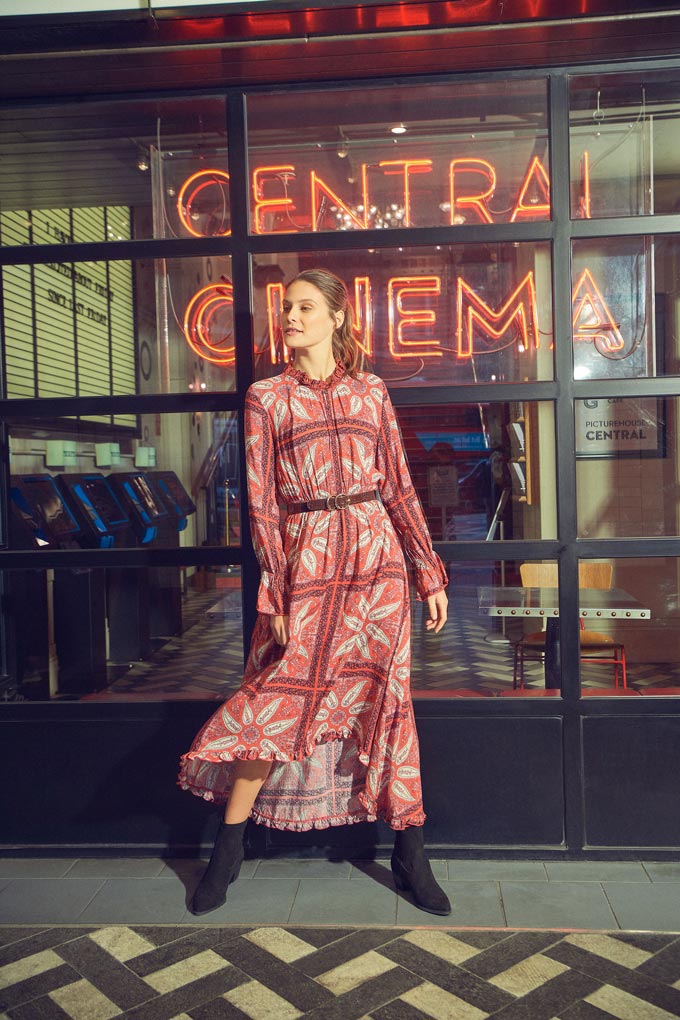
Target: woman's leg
[[227, 856], [249, 778]]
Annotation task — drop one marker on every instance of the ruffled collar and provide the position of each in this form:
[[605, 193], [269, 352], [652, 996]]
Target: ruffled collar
[[315, 384]]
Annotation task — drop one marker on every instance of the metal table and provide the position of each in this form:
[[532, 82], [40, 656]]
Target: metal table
[[594, 604]]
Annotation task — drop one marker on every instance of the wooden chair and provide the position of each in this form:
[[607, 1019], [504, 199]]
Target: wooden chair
[[595, 647]]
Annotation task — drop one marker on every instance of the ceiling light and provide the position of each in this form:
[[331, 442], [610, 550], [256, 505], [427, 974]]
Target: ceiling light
[[398, 129]]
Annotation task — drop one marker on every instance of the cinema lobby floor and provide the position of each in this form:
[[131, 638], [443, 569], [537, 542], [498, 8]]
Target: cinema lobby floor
[[96, 938]]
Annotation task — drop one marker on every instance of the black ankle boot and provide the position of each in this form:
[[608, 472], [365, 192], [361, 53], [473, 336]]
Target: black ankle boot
[[412, 872], [225, 864]]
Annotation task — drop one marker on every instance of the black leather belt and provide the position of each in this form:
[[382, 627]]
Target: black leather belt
[[338, 502]]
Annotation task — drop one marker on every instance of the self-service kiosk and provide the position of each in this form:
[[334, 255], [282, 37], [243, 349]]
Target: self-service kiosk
[[57, 616], [106, 519], [165, 583], [146, 509], [177, 500], [102, 519]]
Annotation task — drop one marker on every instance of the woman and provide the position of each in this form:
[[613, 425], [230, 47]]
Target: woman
[[322, 731]]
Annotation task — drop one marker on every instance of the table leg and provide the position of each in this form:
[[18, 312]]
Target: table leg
[[552, 655]]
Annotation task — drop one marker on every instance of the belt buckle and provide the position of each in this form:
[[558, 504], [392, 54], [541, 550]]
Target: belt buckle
[[332, 501]]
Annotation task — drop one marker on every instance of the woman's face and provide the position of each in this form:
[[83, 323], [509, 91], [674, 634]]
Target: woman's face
[[307, 320]]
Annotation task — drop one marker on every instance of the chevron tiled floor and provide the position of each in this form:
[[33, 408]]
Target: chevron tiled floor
[[330, 973], [206, 661]]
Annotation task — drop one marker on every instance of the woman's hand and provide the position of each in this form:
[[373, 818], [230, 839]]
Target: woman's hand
[[280, 628], [438, 609]]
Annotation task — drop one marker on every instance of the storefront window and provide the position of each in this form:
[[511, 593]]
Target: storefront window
[[422, 156], [624, 154], [628, 645], [484, 472], [122, 634], [625, 293], [627, 451], [428, 316], [155, 480], [119, 327], [493, 644], [630, 622], [112, 171]]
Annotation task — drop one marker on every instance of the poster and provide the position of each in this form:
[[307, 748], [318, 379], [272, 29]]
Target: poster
[[620, 427]]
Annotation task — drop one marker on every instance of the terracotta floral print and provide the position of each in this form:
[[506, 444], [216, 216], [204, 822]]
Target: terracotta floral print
[[332, 708]]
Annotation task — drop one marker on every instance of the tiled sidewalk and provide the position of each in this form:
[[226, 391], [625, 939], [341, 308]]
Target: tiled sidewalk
[[175, 972], [628, 896]]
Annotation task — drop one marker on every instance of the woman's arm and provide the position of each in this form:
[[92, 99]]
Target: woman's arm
[[265, 526]]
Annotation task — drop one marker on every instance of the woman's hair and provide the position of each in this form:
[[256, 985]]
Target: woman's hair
[[345, 346]]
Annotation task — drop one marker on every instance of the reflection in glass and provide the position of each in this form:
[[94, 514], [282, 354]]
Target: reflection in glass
[[428, 316], [624, 154], [426, 155], [114, 170], [122, 634], [160, 481], [119, 327], [639, 613], [483, 471], [624, 289], [474, 655], [627, 607], [627, 467]]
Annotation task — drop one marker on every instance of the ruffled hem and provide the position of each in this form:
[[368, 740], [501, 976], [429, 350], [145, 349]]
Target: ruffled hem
[[292, 825], [253, 754], [370, 812]]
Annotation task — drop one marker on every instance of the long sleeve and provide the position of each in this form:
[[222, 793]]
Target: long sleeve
[[265, 527], [402, 503]]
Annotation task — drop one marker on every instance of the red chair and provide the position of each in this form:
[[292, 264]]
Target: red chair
[[595, 647]]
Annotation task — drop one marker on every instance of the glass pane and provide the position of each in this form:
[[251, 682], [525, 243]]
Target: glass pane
[[421, 156], [483, 471], [428, 316], [118, 327], [123, 634], [628, 451], [112, 171], [492, 643], [634, 620], [624, 153], [148, 480], [625, 292]]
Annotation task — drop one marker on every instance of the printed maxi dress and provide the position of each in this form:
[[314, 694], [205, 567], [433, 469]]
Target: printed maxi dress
[[332, 708]]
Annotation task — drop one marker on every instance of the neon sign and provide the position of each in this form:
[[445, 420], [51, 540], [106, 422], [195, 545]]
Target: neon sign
[[411, 327], [471, 186], [591, 318], [473, 311], [411, 301], [201, 320], [188, 195]]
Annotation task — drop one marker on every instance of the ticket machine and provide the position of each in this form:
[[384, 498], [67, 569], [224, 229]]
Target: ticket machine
[[58, 616], [165, 603], [145, 508], [102, 519], [41, 519], [130, 594], [177, 500], [106, 519]]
